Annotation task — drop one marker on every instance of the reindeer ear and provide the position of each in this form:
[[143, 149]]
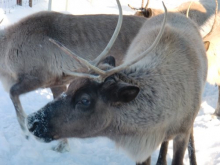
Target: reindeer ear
[[206, 44], [147, 12], [114, 91], [109, 60], [127, 93]]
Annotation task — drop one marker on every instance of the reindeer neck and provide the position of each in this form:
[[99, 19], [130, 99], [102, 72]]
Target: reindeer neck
[[2, 36]]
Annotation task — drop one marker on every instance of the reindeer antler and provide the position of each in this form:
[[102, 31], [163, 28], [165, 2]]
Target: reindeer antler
[[147, 4], [76, 57], [142, 3], [187, 12], [103, 74], [133, 8], [142, 6], [114, 37]]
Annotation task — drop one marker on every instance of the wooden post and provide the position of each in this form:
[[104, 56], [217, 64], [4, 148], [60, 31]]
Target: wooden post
[[49, 5], [19, 2], [66, 5], [30, 3]]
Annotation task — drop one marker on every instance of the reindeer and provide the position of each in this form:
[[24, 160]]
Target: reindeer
[[142, 11], [202, 13], [28, 60], [152, 97]]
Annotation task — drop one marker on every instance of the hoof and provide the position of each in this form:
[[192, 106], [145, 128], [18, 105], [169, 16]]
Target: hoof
[[27, 137], [26, 134], [62, 147]]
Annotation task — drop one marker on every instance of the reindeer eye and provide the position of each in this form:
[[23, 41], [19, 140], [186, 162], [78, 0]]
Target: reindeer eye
[[111, 78], [84, 102]]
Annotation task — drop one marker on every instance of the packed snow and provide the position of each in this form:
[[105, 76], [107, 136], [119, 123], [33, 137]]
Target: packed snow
[[16, 150]]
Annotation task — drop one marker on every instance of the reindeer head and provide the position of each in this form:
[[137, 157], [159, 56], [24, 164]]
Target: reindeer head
[[85, 110], [144, 11], [92, 104]]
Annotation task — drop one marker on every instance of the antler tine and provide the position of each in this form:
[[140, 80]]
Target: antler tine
[[187, 12], [142, 4], [148, 1], [84, 75], [112, 40], [133, 8], [156, 41], [214, 23], [81, 61], [76, 57]]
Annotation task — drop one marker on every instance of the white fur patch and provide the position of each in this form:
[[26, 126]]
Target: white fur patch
[[140, 148]]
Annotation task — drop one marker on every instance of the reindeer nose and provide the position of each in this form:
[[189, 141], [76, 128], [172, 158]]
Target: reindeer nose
[[33, 126], [32, 123], [37, 125]]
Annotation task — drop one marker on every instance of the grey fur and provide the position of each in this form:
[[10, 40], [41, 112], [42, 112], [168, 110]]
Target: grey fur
[[203, 13], [28, 60], [171, 80]]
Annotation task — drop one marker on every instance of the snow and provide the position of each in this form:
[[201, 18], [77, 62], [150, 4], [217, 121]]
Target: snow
[[16, 150]]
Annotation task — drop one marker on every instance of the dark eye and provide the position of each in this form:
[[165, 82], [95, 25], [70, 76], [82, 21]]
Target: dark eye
[[85, 102], [110, 79]]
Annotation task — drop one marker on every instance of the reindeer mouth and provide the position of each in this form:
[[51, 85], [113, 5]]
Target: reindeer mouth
[[43, 139]]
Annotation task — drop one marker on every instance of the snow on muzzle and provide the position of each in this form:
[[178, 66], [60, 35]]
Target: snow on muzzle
[[37, 124]]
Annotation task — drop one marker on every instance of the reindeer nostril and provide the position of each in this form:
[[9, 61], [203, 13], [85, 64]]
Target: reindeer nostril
[[34, 126]]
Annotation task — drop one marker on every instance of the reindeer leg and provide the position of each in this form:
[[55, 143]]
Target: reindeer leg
[[163, 154], [21, 116], [57, 90], [23, 86], [147, 162], [191, 149], [217, 110], [62, 146], [179, 146]]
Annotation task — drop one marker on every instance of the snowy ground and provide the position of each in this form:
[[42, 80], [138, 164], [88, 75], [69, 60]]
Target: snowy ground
[[16, 150]]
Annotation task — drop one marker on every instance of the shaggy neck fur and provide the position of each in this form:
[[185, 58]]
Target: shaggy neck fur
[[134, 133]]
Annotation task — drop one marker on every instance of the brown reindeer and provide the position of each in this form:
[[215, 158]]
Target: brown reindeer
[[152, 97]]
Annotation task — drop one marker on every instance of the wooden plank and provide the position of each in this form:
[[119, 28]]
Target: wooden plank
[[30, 3]]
